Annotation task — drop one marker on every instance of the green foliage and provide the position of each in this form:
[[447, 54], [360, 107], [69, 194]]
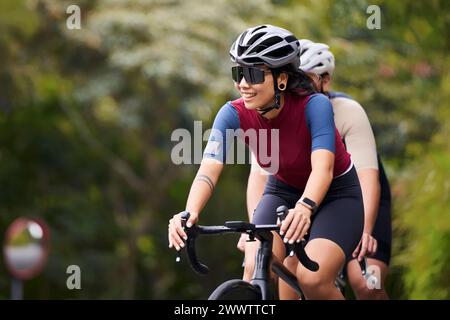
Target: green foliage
[[424, 216]]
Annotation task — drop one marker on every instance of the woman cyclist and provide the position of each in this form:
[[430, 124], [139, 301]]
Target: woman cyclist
[[354, 127], [314, 176]]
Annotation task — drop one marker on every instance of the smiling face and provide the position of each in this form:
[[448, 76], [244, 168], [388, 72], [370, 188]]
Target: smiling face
[[257, 96]]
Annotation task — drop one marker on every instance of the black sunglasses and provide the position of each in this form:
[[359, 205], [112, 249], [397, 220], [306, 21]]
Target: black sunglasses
[[251, 75]]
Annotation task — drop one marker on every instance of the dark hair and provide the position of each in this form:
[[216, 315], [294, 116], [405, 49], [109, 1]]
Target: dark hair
[[299, 82], [317, 88]]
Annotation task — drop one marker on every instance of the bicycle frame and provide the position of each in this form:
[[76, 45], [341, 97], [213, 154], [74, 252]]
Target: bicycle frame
[[261, 275]]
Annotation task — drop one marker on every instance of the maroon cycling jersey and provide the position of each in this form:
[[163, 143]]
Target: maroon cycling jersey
[[304, 124]]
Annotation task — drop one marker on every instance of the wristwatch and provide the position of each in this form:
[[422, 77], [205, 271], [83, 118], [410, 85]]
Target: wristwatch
[[308, 203]]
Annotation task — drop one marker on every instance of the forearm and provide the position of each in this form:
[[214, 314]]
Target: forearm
[[317, 186], [370, 187], [255, 189], [203, 185], [321, 175]]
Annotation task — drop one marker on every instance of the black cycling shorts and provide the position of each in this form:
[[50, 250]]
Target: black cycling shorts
[[339, 218], [382, 230]]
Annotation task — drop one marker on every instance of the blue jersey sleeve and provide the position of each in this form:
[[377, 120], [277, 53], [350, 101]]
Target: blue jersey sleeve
[[219, 142], [320, 120], [337, 94]]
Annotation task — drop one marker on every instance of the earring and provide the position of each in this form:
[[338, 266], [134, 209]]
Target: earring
[[281, 86]]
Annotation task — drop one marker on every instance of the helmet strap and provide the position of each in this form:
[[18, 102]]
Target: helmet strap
[[276, 105]]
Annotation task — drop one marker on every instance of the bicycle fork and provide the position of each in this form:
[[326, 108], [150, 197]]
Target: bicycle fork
[[261, 275]]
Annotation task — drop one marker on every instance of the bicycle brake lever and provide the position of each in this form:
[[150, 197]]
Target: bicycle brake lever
[[363, 266], [190, 246], [184, 218], [282, 212]]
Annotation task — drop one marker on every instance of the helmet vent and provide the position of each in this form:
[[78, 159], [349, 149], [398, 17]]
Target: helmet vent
[[259, 28], [280, 52], [290, 39], [255, 37], [242, 37], [272, 40], [258, 48], [253, 60], [241, 50]]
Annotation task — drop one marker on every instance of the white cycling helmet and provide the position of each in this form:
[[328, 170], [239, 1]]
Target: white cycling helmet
[[266, 44], [316, 57]]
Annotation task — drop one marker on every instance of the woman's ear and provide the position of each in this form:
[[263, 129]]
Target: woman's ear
[[283, 79]]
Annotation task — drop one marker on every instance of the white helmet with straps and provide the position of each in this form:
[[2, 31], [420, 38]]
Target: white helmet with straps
[[266, 44], [316, 57]]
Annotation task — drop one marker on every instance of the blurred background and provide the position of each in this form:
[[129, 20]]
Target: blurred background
[[86, 118]]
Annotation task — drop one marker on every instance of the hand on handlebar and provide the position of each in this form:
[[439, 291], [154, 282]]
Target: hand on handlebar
[[176, 232], [296, 224], [259, 231]]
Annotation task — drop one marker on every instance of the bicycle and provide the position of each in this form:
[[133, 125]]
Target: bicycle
[[259, 287]]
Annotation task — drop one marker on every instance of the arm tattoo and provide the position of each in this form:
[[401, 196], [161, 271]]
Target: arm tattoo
[[202, 177]]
